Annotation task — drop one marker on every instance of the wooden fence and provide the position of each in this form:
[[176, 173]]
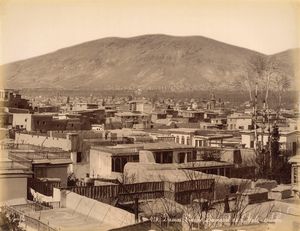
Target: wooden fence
[[41, 186], [194, 185], [144, 191], [178, 191], [96, 192], [125, 193]]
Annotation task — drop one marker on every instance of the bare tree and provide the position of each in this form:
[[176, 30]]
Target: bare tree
[[281, 83]]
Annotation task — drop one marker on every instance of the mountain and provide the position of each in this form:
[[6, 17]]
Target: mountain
[[146, 62]]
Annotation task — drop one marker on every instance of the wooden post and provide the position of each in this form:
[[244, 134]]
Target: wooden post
[[136, 209]]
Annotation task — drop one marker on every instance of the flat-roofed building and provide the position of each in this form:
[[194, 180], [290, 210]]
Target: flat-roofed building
[[289, 140], [239, 122], [182, 135], [295, 173], [210, 140], [84, 106], [158, 115], [140, 106], [46, 162], [46, 108], [44, 122], [192, 116], [13, 177], [168, 152], [109, 161], [131, 119], [12, 98]]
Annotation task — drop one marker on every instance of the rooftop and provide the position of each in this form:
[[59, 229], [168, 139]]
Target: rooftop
[[40, 156], [120, 148], [68, 219], [214, 136], [295, 159], [8, 166], [165, 145], [134, 148], [204, 164], [130, 114], [181, 130], [282, 132]]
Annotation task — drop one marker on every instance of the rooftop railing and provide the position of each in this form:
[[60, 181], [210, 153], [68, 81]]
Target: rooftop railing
[[17, 155]]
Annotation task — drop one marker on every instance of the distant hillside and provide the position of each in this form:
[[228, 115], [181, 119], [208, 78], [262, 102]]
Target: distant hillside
[[146, 62]]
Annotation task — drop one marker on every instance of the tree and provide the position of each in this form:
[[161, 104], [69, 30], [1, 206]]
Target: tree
[[262, 76], [72, 180], [281, 83], [267, 74], [10, 220]]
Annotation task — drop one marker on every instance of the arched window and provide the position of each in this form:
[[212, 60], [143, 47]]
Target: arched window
[[117, 165]]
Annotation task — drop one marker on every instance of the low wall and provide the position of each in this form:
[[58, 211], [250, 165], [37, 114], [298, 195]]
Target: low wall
[[46, 141], [13, 188], [257, 197], [98, 210], [267, 184]]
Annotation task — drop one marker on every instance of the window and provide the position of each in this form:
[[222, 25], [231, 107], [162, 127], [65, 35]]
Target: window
[[200, 143], [167, 157], [251, 144], [117, 165], [79, 157], [212, 171], [294, 147], [157, 157], [182, 140], [177, 139], [181, 157], [135, 158], [188, 140], [163, 157], [191, 156]]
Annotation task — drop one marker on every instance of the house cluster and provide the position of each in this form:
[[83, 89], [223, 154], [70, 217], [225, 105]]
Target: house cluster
[[118, 164]]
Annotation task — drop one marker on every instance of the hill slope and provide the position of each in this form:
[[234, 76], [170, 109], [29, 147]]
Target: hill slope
[[147, 62]]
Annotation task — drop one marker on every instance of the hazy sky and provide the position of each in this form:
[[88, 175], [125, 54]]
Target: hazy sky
[[34, 27]]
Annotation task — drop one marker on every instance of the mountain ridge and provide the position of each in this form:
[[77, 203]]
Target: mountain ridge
[[146, 61]]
